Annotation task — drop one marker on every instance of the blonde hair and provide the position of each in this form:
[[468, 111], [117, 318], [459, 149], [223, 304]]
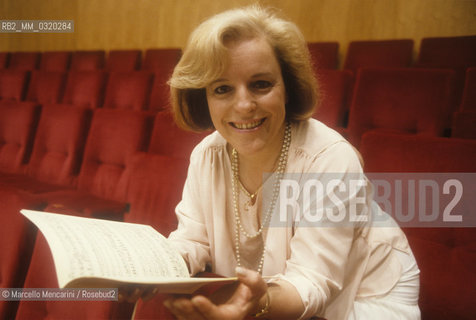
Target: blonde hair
[[205, 57]]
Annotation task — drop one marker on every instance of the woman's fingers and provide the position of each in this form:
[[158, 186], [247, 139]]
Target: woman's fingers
[[245, 298], [183, 308], [205, 307], [252, 280], [132, 294], [149, 293], [129, 294]]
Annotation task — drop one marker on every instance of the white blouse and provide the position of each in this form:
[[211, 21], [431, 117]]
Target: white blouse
[[329, 266]]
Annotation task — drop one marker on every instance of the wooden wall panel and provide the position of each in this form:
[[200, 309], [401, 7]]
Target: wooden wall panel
[[122, 24]]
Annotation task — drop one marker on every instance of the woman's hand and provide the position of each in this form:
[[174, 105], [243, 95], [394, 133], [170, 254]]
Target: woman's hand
[[132, 294], [244, 300]]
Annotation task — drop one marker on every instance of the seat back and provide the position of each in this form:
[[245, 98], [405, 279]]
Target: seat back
[[168, 139], [413, 101], [335, 94], [85, 88], [379, 53], [18, 121], [4, 57], [88, 60], [464, 125], [55, 60], [454, 52], [17, 236], [324, 54], [391, 152], [13, 84], [123, 60], [128, 90], [468, 102], [24, 60], [155, 189], [46, 86], [115, 136], [458, 53], [161, 60], [59, 144], [42, 264], [160, 92]]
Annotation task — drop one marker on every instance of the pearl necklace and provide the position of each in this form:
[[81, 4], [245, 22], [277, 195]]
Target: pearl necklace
[[283, 157], [251, 196]]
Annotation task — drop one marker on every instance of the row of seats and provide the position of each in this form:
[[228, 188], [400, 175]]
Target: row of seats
[[446, 256], [411, 100], [126, 90], [130, 165], [117, 60], [445, 52], [459, 52], [117, 164], [416, 100]]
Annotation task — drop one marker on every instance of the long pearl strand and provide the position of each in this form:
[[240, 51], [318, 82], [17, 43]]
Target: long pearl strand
[[283, 157]]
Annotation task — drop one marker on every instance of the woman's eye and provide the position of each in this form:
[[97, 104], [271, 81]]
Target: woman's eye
[[262, 84], [222, 89]]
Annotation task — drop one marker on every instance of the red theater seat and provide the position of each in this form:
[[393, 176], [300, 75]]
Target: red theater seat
[[162, 63], [123, 60], [161, 60], [458, 53], [18, 122], [57, 151], [46, 86], [464, 125], [169, 140], [446, 256], [17, 236], [13, 84], [468, 102], [454, 52], [128, 90], [88, 60], [24, 60], [155, 189], [324, 54], [415, 101], [4, 56], [85, 88], [55, 60], [160, 93], [115, 136], [41, 274], [379, 53], [335, 93], [391, 152]]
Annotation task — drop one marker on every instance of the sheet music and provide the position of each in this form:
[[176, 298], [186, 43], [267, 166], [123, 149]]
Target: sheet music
[[85, 247]]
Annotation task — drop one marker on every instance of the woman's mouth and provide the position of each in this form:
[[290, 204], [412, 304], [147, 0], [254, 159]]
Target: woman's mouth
[[247, 125]]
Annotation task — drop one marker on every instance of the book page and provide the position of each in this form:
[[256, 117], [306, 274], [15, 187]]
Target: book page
[[95, 248]]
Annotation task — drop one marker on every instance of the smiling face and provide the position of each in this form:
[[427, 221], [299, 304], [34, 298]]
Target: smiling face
[[247, 102]]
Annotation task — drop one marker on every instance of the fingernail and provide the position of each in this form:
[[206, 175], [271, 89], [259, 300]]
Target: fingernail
[[194, 301], [241, 271]]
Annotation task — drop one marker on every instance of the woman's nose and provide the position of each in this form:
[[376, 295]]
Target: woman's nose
[[244, 100]]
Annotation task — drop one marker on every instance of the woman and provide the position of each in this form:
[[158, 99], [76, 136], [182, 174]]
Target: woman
[[247, 74]]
